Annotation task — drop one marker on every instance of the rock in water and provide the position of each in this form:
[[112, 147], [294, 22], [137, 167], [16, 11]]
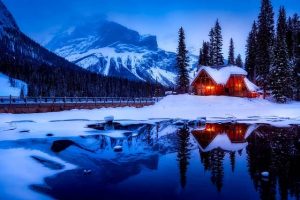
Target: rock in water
[[265, 174], [109, 119], [87, 172], [118, 148]]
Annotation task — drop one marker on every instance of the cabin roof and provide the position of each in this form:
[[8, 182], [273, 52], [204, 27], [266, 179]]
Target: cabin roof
[[251, 86], [221, 74]]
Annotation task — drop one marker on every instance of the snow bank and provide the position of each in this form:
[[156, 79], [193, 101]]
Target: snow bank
[[180, 106], [15, 178], [7, 89]]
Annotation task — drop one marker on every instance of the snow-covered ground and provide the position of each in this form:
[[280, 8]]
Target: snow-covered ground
[[15, 178], [7, 89], [185, 107]]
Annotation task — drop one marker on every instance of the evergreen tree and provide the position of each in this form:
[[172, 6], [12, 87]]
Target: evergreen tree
[[239, 61], [219, 44], [22, 93], [265, 42], [280, 76], [296, 54], [200, 60], [182, 64], [215, 45], [212, 44], [204, 59], [290, 40], [251, 47], [231, 53]]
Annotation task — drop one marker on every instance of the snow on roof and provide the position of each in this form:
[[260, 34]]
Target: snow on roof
[[251, 86], [223, 142], [250, 130], [221, 74]]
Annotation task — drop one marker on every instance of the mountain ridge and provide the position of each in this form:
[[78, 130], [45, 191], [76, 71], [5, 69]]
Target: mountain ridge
[[111, 49]]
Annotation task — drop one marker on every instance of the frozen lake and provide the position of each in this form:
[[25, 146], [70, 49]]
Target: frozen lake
[[148, 159]]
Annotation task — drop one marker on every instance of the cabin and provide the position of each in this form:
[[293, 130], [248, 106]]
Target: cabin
[[226, 81]]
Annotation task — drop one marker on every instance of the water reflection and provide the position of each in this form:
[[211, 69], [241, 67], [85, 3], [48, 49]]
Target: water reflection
[[183, 154], [217, 140], [268, 149], [158, 158], [276, 150]]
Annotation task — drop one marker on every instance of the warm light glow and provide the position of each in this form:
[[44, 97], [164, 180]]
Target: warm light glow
[[209, 87], [210, 128]]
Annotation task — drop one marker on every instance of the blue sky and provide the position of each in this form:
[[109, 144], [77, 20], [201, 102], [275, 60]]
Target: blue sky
[[40, 19]]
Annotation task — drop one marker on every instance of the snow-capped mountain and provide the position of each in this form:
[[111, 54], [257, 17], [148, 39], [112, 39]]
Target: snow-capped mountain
[[111, 49]]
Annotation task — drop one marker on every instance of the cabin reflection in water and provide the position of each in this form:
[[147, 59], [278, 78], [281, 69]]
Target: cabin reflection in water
[[217, 140], [228, 137]]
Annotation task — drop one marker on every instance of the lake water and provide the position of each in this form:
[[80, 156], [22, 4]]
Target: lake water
[[162, 159]]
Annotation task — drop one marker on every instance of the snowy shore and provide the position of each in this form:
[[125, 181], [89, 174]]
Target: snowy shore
[[179, 106]]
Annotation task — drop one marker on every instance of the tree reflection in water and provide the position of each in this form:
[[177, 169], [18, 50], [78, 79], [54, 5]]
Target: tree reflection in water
[[183, 153], [276, 150]]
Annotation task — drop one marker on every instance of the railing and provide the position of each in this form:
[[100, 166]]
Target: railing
[[10, 100]]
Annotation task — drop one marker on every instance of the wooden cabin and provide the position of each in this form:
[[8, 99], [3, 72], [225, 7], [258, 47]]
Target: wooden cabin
[[226, 81]]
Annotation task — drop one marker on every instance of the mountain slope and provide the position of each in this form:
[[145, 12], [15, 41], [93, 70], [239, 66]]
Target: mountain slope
[[48, 74], [111, 49]]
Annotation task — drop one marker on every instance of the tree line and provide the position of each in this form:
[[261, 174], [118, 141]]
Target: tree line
[[273, 57]]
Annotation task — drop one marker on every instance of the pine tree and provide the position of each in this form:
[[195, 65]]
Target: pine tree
[[212, 47], [296, 54], [22, 93], [251, 47], [215, 45], [182, 64], [280, 76], [219, 44], [290, 38], [204, 59], [239, 61], [265, 42], [200, 60], [231, 53]]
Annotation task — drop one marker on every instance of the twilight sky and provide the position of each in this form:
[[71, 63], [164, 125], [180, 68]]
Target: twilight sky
[[40, 19]]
